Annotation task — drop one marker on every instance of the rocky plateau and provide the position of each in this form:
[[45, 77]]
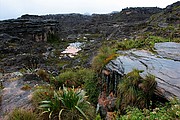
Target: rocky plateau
[[33, 42]]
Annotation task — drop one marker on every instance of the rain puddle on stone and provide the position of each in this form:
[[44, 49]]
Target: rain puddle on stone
[[72, 49]]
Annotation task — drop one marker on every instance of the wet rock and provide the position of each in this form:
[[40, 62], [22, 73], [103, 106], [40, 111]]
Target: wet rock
[[166, 71], [116, 66], [70, 26], [15, 53], [163, 25], [112, 74], [168, 50], [13, 63]]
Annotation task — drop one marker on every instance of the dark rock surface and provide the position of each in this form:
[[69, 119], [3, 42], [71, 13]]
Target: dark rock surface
[[17, 52], [167, 21], [30, 29]]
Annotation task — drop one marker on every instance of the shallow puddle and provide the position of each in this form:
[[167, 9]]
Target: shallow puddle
[[72, 49]]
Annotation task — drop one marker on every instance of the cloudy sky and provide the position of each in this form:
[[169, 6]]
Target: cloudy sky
[[15, 8]]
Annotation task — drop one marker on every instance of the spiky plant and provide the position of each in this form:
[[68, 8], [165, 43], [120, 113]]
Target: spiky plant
[[68, 103]]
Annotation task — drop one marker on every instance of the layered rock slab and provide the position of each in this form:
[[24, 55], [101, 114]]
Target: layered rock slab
[[165, 70]]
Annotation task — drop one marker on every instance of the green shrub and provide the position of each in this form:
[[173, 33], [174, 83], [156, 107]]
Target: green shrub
[[68, 103], [104, 55], [135, 91], [74, 78], [146, 43], [171, 111], [19, 114], [82, 77], [92, 89], [98, 117]]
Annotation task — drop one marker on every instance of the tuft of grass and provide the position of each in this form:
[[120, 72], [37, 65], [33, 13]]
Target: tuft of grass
[[135, 91], [43, 75], [93, 90], [20, 114], [104, 55]]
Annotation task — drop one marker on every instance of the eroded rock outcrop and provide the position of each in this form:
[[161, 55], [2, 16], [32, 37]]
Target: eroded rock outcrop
[[166, 71], [34, 28]]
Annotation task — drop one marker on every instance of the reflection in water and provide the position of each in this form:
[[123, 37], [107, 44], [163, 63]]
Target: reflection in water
[[72, 49]]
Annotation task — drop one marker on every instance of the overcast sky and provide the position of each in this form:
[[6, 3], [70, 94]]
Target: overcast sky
[[15, 8]]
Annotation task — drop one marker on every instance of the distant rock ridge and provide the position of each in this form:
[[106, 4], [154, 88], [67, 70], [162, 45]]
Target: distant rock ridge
[[38, 28], [124, 24]]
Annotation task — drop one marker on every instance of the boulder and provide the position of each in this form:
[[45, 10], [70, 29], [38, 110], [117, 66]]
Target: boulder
[[165, 70]]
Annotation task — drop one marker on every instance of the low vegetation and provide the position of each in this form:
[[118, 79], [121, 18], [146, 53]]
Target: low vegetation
[[74, 78], [104, 55], [42, 93], [69, 103], [170, 111], [93, 89], [20, 114], [135, 91], [145, 43]]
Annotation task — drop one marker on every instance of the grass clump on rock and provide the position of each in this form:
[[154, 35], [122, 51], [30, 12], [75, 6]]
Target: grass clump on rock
[[42, 93], [135, 91], [104, 55]]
